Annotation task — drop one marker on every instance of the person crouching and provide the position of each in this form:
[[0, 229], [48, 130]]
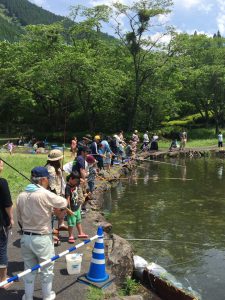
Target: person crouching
[[34, 213], [74, 203]]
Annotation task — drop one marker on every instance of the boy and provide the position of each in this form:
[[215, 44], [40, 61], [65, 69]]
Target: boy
[[72, 196], [92, 172]]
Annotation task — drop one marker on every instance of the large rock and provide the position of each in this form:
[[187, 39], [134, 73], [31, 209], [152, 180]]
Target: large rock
[[119, 256]]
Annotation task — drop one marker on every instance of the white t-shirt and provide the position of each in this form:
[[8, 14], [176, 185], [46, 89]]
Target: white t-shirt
[[220, 137], [146, 138]]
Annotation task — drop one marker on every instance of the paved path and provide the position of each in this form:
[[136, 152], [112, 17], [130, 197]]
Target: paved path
[[65, 286]]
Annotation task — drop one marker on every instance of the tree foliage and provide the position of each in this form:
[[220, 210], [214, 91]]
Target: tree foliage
[[56, 77]]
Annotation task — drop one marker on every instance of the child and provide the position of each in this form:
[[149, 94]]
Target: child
[[91, 172], [72, 196]]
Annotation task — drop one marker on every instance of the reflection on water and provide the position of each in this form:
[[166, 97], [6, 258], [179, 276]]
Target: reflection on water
[[183, 220]]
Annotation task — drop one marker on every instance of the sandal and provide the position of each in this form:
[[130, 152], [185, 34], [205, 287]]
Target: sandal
[[82, 236], [71, 240]]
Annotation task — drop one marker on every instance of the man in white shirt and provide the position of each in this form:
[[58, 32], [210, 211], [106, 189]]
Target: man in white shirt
[[34, 212], [220, 140]]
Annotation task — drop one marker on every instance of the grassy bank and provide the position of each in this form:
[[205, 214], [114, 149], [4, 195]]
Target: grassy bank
[[23, 163], [165, 144]]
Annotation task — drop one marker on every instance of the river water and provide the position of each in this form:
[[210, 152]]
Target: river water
[[158, 202]]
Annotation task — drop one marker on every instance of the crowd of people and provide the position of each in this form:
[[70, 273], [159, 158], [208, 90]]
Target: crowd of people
[[52, 199]]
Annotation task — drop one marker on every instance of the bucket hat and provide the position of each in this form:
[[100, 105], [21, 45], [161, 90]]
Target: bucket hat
[[55, 155]]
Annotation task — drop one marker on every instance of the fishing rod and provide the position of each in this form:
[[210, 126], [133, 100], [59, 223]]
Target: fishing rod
[[170, 241], [167, 178], [67, 209], [16, 170], [162, 162]]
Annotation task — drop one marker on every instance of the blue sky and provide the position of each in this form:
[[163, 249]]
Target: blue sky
[[205, 16]]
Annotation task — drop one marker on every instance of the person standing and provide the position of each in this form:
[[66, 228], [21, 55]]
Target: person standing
[[73, 147], [74, 204], [9, 145], [57, 186], [34, 214], [183, 140], [220, 140], [6, 222], [145, 140], [80, 164], [135, 136]]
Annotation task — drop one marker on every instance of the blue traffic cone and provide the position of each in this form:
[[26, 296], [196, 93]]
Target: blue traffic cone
[[97, 272]]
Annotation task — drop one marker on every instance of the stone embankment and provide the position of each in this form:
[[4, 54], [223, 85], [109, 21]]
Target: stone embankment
[[119, 253], [196, 152]]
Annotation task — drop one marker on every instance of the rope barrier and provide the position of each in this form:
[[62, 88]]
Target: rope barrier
[[38, 266]]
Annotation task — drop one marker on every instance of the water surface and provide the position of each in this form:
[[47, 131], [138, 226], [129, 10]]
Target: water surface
[[159, 203]]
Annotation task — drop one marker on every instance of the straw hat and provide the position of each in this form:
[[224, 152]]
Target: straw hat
[[55, 155]]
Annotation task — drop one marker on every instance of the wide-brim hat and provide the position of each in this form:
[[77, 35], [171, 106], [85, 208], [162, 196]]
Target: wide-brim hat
[[86, 138], [55, 155]]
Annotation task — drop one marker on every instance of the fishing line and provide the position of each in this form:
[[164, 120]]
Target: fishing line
[[16, 170], [172, 241], [163, 162]]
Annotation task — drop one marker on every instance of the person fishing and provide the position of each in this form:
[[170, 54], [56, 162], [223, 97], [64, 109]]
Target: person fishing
[[57, 186], [6, 222], [34, 215], [74, 201]]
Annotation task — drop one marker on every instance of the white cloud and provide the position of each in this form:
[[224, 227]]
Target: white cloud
[[107, 2], [164, 18], [220, 20], [39, 2], [201, 5]]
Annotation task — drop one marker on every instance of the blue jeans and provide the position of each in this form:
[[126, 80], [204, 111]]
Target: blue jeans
[[91, 185], [3, 249]]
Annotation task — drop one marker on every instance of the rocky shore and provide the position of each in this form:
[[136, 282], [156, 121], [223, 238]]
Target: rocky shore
[[119, 253]]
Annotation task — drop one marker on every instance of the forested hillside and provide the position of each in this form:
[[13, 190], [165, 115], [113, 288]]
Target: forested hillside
[[14, 14], [8, 30]]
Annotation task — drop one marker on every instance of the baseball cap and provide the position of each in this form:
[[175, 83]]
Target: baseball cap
[[39, 172], [90, 159], [83, 148]]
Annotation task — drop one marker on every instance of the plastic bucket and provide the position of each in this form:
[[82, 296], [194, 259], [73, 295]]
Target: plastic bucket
[[73, 263]]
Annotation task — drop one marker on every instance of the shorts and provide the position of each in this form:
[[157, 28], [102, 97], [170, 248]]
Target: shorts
[[74, 219], [3, 249]]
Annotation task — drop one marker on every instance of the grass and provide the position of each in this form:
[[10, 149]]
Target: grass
[[165, 144], [95, 294], [23, 163], [130, 287]]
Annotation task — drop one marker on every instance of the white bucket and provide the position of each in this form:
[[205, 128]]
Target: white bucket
[[73, 263]]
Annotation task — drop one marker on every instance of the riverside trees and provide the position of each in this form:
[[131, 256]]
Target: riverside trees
[[77, 76]]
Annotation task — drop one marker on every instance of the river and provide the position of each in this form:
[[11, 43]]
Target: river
[[186, 217]]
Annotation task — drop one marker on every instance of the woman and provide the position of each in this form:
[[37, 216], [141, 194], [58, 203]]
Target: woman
[[73, 147], [6, 222], [57, 186]]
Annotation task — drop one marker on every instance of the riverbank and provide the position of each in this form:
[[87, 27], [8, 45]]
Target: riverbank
[[189, 152], [66, 286]]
